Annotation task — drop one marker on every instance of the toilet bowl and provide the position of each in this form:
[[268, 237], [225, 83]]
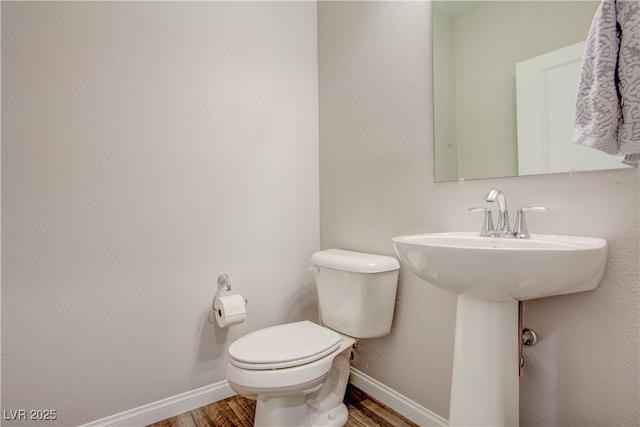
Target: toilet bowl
[[298, 372], [287, 366]]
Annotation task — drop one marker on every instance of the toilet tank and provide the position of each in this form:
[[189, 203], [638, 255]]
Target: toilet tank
[[356, 291]]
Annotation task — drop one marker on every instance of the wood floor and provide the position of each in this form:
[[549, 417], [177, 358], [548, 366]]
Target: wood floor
[[364, 411]]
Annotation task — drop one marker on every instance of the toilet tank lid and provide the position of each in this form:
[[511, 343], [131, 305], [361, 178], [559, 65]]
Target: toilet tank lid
[[356, 262]]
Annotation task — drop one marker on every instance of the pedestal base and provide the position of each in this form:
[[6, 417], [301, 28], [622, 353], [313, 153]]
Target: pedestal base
[[485, 382]]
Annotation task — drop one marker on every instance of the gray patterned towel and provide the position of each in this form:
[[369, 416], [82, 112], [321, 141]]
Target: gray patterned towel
[[608, 102]]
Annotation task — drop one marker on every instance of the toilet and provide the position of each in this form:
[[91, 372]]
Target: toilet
[[298, 372]]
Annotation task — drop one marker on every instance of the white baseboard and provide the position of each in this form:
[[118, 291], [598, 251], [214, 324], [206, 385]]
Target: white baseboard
[[181, 403], [396, 401], [167, 408]]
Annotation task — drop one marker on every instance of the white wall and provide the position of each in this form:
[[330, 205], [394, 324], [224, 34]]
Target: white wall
[[376, 182], [376, 177], [147, 147]]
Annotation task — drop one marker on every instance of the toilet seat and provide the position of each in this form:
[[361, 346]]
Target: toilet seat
[[306, 369], [283, 346]]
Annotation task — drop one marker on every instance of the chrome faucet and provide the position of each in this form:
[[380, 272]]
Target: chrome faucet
[[503, 229]]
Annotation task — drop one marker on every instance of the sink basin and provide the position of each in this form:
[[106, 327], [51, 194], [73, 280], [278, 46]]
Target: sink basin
[[490, 275], [499, 269]]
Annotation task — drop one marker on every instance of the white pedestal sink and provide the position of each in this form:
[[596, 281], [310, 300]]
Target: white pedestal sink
[[490, 275]]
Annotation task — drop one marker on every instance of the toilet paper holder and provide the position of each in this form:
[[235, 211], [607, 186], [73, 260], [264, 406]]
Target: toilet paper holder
[[225, 282]]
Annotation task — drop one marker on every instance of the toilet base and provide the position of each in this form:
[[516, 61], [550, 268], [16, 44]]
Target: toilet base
[[323, 408], [294, 411], [285, 411]]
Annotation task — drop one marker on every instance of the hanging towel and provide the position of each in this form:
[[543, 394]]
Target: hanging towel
[[608, 101]]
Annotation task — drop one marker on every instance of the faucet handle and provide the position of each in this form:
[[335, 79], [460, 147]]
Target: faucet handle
[[487, 225], [521, 231]]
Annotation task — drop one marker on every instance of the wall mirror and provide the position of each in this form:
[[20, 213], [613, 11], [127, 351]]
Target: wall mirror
[[505, 79]]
